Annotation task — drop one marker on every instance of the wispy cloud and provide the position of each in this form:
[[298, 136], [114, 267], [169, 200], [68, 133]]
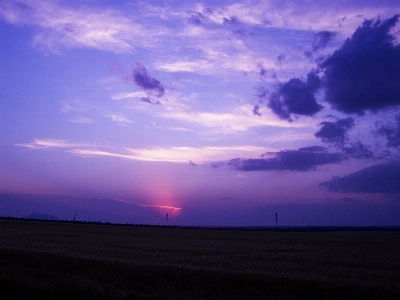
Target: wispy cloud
[[50, 143], [239, 119], [155, 154], [72, 26], [174, 210], [81, 120], [120, 119], [130, 95]]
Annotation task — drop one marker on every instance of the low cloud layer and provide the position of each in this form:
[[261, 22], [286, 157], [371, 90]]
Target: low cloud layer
[[381, 178], [364, 74], [296, 97], [303, 159]]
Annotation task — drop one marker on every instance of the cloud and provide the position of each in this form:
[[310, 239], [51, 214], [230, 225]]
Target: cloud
[[296, 96], [239, 120], [256, 110], [138, 94], [391, 131], [358, 150], [168, 154], [120, 120], [335, 132], [143, 80], [303, 159], [81, 120], [50, 143], [381, 178], [321, 39], [69, 26], [364, 74], [174, 210]]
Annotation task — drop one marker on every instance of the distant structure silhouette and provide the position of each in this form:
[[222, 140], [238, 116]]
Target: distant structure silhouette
[[276, 221], [75, 213], [167, 219]]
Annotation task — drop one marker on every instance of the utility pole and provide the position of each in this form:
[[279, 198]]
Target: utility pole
[[167, 219], [276, 222], [75, 213]]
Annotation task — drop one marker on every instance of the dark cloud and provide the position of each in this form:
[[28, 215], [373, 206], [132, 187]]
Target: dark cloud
[[321, 39], [143, 80], [296, 97], [335, 132], [364, 74], [391, 131], [256, 110], [303, 159], [358, 150], [382, 178]]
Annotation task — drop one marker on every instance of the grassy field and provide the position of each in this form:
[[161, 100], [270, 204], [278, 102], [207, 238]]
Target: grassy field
[[45, 260]]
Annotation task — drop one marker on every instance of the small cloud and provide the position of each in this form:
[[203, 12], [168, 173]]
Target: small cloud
[[143, 80], [256, 110], [335, 132], [120, 119], [81, 120], [321, 39]]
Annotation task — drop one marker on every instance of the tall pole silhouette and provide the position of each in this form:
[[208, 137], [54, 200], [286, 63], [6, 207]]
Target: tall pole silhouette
[[167, 219], [276, 222]]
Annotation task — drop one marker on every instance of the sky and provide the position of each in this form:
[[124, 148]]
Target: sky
[[217, 113]]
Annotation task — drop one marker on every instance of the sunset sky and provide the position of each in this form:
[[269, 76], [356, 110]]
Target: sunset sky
[[213, 112]]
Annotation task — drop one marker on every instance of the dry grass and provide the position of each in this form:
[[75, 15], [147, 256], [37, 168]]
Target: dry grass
[[42, 260]]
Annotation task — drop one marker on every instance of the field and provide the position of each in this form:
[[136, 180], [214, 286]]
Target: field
[[54, 260]]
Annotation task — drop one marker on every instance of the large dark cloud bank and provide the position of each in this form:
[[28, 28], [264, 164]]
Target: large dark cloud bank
[[362, 76]]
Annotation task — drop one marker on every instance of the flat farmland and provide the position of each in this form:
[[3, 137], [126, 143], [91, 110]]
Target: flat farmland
[[54, 260]]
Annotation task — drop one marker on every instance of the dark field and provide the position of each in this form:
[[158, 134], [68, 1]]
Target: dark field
[[45, 260]]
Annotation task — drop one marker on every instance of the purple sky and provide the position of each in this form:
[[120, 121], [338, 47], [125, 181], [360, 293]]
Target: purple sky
[[213, 112]]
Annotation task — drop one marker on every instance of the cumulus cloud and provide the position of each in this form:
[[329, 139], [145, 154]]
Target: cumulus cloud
[[335, 132], [143, 80], [381, 178], [303, 159], [391, 131], [296, 97], [364, 73]]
